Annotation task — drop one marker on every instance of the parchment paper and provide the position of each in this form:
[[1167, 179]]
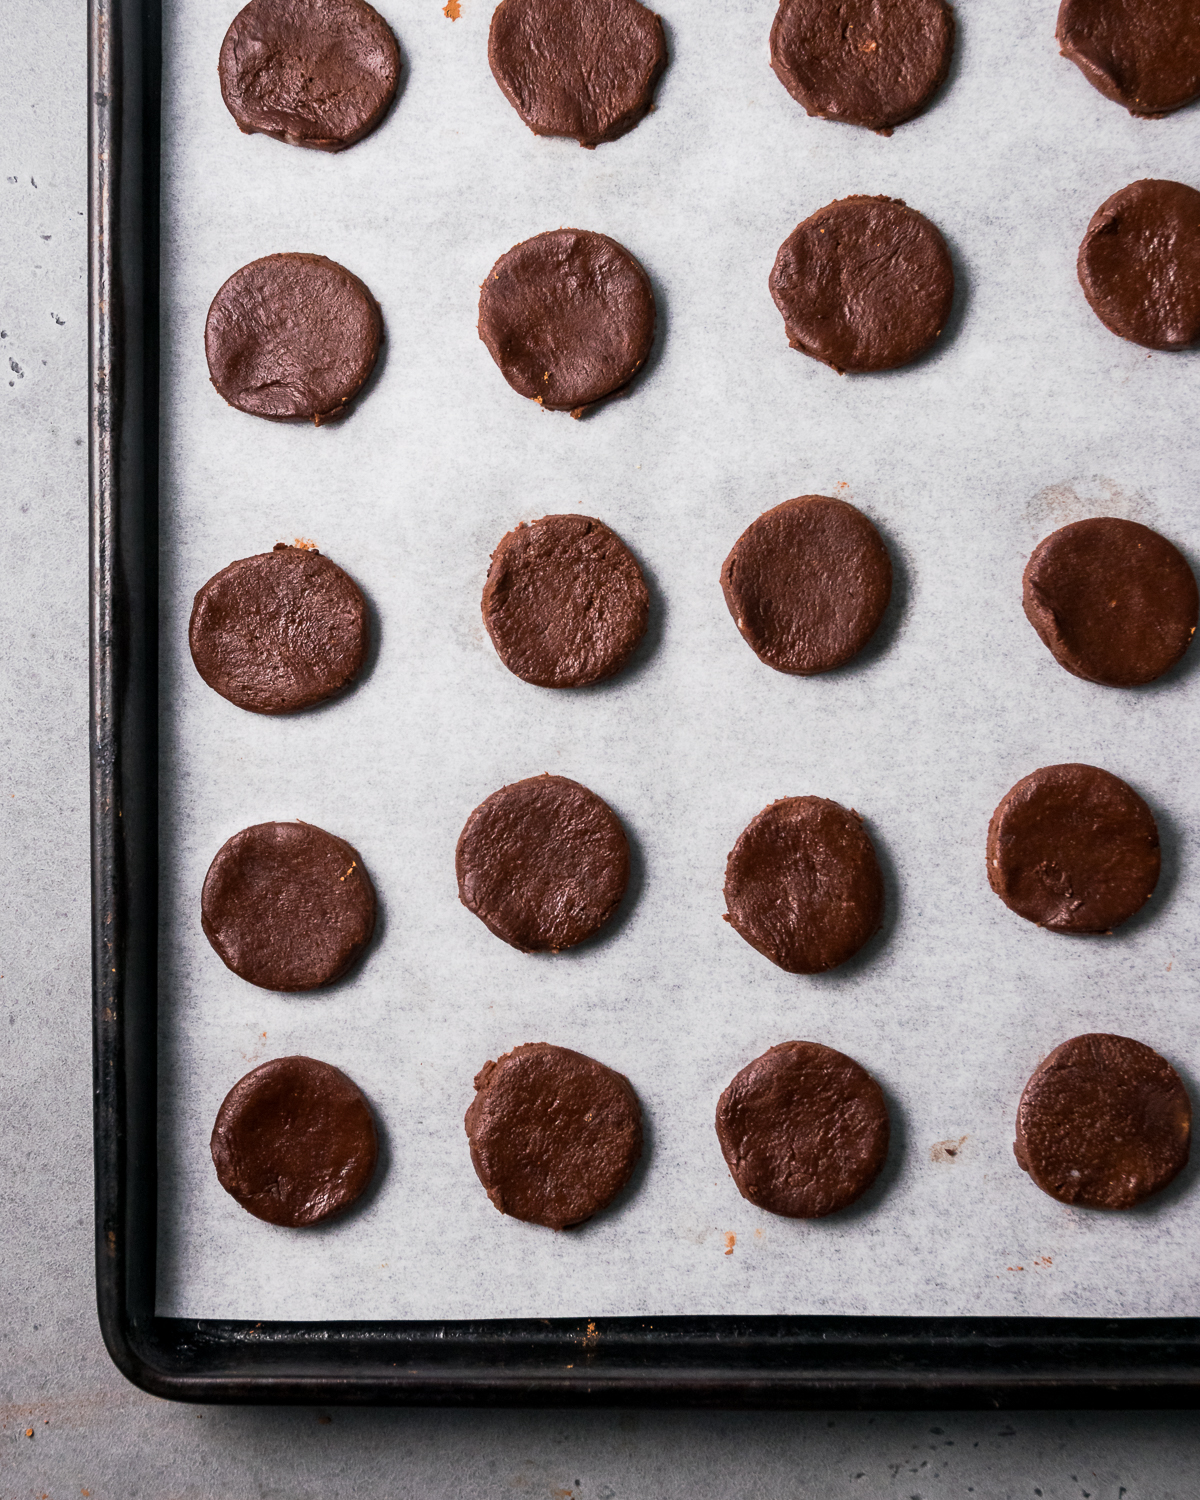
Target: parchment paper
[[1029, 414]]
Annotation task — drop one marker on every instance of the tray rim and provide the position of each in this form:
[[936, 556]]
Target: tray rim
[[820, 1362]]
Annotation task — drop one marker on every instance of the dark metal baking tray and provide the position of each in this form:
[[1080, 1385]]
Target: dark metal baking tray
[[701, 1361]]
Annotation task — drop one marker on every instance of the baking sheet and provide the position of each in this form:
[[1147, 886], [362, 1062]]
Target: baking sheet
[[1029, 415]]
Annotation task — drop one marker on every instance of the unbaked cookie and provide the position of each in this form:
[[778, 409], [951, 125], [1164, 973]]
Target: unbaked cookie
[[803, 885], [863, 284], [860, 61], [807, 584], [804, 1130], [1144, 54], [279, 631], [579, 68], [1115, 602], [1074, 849], [318, 73], [542, 863], [565, 602], [1139, 264], [295, 1142], [1104, 1122], [292, 336], [568, 316], [287, 906], [554, 1135]]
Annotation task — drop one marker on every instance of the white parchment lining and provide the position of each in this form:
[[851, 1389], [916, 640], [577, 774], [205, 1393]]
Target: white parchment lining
[[1030, 414]]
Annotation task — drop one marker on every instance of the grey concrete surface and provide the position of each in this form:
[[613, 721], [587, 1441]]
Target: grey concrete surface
[[69, 1424]]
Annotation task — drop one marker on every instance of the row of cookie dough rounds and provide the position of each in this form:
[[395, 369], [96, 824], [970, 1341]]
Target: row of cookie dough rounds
[[569, 315], [1104, 1122], [864, 284], [324, 73], [544, 864], [807, 584]]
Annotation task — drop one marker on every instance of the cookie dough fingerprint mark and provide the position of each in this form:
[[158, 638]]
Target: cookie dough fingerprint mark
[[452, 10], [730, 1242]]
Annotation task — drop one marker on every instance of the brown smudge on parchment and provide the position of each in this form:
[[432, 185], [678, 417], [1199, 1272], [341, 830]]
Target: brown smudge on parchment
[[946, 1151], [452, 10], [730, 1242], [1057, 505]]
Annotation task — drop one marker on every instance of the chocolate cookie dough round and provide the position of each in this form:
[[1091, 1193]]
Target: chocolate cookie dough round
[[295, 1142], [317, 73], [1144, 54], [1115, 602], [292, 336], [287, 906], [862, 62], [569, 318], [1104, 1122], [1139, 264], [1074, 849], [565, 602], [863, 284], [585, 69], [803, 885], [543, 863], [279, 631], [807, 584], [804, 1130], [554, 1135]]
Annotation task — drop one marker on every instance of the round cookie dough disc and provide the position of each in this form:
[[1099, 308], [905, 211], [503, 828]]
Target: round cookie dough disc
[[569, 318], [542, 863], [1139, 264], [1104, 1122], [565, 602], [860, 61], [1115, 602], [804, 1130], [318, 73], [292, 336], [554, 1135], [807, 584], [279, 631], [863, 284], [1144, 54], [803, 885], [287, 906], [295, 1142], [579, 68], [1074, 849]]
